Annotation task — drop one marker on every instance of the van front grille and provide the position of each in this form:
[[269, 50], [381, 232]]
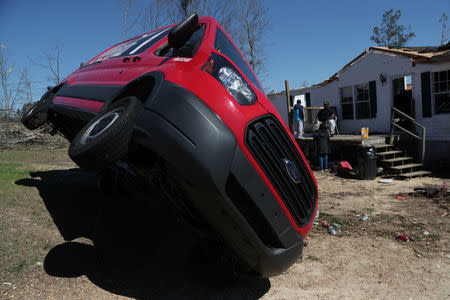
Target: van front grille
[[270, 145]]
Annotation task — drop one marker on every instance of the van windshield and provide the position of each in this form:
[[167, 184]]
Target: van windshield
[[134, 46]]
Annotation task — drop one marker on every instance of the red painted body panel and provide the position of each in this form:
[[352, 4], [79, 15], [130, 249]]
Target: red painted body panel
[[89, 105], [188, 74]]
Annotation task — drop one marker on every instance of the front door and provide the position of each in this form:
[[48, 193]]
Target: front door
[[403, 100]]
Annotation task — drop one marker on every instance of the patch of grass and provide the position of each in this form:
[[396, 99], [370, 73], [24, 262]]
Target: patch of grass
[[11, 171], [385, 233], [48, 246], [411, 225], [339, 220], [42, 154], [17, 267], [322, 213], [334, 219], [434, 237], [370, 209], [313, 257], [416, 237], [385, 217]]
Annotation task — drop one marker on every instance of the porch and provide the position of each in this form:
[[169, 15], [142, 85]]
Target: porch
[[395, 161]]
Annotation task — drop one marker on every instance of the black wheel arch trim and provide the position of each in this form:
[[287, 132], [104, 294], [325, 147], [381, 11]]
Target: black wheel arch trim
[[109, 94]]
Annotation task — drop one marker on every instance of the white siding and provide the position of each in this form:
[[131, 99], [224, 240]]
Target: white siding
[[438, 127]]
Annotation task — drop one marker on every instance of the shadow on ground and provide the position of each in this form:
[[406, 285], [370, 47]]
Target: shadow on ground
[[140, 248]]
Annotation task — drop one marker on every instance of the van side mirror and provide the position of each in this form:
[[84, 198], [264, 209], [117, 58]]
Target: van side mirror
[[183, 31]]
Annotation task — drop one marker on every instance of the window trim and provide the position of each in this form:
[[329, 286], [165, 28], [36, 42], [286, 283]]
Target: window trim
[[357, 101], [347, 103], [438, 91]]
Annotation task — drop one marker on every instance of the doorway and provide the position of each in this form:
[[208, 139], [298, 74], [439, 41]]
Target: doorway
[[403, 100]]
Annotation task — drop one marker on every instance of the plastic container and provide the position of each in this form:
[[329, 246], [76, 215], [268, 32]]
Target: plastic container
[[367, 162], [332, 230], [364, 133]]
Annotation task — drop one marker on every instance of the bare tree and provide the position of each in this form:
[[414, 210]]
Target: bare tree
[[12, 90], [246, 21], [153, 15], [5, 71], [129, 16], [253, 23], [25, 88], [51, 61], [222, 10], [443, 21]]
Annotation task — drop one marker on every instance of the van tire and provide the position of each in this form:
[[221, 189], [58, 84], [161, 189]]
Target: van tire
[[104, 139], [36, 116]]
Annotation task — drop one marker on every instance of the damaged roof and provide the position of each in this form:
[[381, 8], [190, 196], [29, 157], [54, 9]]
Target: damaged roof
[[424, 54]]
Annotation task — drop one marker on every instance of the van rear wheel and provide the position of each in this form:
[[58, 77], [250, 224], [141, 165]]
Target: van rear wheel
[[36, 116]]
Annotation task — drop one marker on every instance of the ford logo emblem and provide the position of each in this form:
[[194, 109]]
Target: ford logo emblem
[[292, 170]]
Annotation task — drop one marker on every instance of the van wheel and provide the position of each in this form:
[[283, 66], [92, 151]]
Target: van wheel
[[104, 140], [37, 115]]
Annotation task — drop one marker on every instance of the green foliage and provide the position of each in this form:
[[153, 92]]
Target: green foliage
[[11, 171], [339, 220], [313, 257], [385, 217], [18, 267], [390, 34], [434, 237]]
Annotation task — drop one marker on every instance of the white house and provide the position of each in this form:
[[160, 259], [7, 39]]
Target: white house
[[416, 80]]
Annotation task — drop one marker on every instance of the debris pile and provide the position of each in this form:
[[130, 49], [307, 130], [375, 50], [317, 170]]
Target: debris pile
[[15, 135]]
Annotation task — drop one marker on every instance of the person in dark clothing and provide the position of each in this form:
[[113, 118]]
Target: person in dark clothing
[[322, 145], [326, 115]]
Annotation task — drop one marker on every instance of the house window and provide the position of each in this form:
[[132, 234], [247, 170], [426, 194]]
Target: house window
[[441, 92], [362, 104], [347, 103]]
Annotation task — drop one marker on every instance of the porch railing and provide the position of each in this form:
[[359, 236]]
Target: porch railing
[[395, 119]]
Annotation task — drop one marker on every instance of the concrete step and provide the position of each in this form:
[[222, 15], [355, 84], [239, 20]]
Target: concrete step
[[397, 159], [401, 167], [415, 174], [374, 139], [392, 152], [383, 145]]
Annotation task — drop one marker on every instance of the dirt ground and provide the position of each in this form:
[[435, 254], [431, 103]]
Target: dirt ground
[[55, 242]]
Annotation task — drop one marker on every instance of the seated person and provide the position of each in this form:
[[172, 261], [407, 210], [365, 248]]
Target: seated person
[[326, 115]]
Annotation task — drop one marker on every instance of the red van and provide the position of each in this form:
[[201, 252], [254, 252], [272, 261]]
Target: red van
[[182, 103]]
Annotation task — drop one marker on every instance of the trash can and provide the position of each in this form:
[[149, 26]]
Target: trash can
[[367, 162]]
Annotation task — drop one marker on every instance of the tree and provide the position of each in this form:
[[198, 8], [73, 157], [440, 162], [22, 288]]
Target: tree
[[12, 91], [129, 18], [246, 21], [25, 89], [443, 21], [6, 101], [51, 61], [152, 14], [390, 34], [253, 23], [221, 10]]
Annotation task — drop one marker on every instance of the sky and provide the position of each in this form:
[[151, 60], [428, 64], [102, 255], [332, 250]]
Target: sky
[[307, 41]]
